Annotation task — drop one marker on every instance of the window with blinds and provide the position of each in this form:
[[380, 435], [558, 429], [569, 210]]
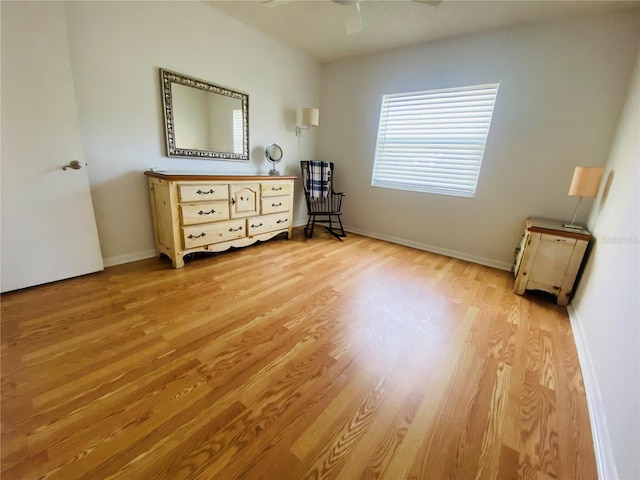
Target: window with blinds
[[433, 141]]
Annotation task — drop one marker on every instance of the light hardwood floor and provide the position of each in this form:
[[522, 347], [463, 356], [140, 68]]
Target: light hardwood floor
[[292, 359]]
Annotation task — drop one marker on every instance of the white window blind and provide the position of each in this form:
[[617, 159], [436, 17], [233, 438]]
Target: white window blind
[[433, 141], [238, 132]]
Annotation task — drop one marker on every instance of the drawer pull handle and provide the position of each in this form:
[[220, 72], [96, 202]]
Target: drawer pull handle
[[276, 204], [200, 192], [276, 189], [197, 236], [206, 213], [235, 229], [282, 221], [255, 226]]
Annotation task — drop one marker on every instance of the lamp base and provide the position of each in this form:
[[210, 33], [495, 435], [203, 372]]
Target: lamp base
[[572, 226]]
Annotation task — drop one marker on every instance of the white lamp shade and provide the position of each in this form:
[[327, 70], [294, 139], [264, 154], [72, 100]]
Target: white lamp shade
[[310, 117], [585, 182]]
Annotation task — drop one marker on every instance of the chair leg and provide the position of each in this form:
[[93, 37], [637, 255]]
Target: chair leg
[[341, 227], [313, 224], [330, 228], [306, 229]]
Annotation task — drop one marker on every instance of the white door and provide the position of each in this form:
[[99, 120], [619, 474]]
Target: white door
[[48, 226]]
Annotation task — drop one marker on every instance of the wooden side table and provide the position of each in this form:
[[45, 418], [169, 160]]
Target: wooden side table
[[549, 258]]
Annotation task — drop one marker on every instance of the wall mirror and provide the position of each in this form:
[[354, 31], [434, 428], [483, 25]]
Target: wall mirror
[[204, 120]]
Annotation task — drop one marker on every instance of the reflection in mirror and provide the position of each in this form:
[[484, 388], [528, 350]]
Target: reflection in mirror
[[204, 120]]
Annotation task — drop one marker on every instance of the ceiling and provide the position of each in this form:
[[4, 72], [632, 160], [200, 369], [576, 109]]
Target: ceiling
[[317, 27]]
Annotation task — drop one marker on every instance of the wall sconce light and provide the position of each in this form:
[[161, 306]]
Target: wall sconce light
[[310, 118], [585, 183]]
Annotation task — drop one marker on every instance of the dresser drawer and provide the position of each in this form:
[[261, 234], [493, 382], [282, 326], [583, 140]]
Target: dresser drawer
[[552, 257], [268, 223], [216, 232], [275, 189], [275, 204], [203, 192], [204, 212], [545, 237]]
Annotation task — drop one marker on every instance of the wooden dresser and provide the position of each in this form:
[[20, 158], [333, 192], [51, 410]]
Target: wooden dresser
[[211, 213], [549, 258]]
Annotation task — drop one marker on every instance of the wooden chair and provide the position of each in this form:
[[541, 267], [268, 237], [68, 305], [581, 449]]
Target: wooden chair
[[323, 204]]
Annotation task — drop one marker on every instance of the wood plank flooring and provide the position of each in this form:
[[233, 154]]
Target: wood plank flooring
[[292, 359]]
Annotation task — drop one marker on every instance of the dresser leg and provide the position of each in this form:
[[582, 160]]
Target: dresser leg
[[178, 262], [563, 298]]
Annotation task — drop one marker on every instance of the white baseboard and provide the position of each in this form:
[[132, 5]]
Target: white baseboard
[[601, 442], [300, 222], [489, 262], [128, 257]]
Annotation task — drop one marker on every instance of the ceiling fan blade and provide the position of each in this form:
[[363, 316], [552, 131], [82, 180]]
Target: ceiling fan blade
[[352, 18], [433, 3], [275, 3]]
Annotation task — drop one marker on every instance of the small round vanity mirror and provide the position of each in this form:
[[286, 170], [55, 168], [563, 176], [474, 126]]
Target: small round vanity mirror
[[273, 153]]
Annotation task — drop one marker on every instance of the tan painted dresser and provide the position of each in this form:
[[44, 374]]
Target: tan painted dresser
[[211, 213], [549, 258]]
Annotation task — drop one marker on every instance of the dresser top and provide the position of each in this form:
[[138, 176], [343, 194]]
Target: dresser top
[[554, 227], [173, 176]]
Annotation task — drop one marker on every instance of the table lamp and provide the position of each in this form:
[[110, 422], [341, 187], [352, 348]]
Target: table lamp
[[585, 183]]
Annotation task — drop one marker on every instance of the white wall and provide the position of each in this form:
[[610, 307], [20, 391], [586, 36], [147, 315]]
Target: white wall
[[116, 50], [606, 311], [561, 92]]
